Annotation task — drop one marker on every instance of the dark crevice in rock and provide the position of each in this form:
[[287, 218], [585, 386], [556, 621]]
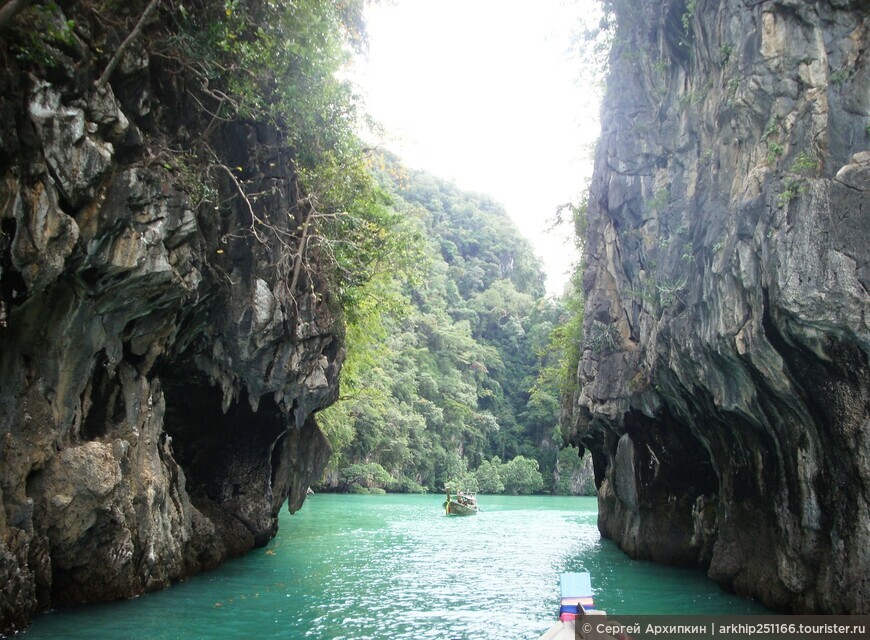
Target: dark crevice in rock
[[102, 402], [226, 455]]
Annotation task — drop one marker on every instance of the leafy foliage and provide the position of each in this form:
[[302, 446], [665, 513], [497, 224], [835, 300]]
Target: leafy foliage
[[488, 476], [439, 378], [557, 379], [521, 475], [364, 476], [45, 33], [280, 62], [277, 60]]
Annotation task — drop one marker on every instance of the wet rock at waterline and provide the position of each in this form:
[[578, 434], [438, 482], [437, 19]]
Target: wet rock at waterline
[[725, 380]]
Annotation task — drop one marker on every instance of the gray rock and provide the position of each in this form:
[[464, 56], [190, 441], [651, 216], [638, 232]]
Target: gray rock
[[727, 254], [77, 161], [158, 379]]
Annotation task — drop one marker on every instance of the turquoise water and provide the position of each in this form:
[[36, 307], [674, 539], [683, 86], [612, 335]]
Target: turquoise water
[[394, 567]]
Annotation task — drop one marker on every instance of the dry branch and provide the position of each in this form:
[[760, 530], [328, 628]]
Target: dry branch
[[127, 42]]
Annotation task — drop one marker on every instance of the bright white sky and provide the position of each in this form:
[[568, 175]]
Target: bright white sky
[[485, 93]]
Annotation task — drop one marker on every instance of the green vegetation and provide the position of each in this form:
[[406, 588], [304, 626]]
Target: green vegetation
[[452, 372], [455, 359], [488, 476], [839, 76], [521, 475], [571, 468], [774, 148], [364, 478], [659, 201], [796, 181], [792, 188], [774, 151], [688, 14], [44, 33], [804, 163], [236, 64], [278, 63], [733, 85], [603, 338], [773, 128]]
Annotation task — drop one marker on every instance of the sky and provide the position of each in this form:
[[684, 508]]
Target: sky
[[486, 93]]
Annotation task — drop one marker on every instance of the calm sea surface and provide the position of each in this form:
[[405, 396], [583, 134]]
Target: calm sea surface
[[395, 567]]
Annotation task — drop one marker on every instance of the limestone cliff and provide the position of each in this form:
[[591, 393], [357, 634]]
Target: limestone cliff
[[724, 374], [158, 375]]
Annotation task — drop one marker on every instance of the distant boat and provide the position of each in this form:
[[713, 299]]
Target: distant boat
[[462, 504]]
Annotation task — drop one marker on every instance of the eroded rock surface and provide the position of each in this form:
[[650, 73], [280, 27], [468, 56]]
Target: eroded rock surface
[[725, 379], [158, 377]]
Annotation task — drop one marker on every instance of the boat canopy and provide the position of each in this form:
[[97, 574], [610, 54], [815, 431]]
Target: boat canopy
[[576, 585]]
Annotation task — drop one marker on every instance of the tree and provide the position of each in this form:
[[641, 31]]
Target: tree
[[521, 476], [489, 476], [369, 475], [443, 386]]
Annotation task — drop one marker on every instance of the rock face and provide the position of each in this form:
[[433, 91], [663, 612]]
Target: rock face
[[725, 380], [158, 377]]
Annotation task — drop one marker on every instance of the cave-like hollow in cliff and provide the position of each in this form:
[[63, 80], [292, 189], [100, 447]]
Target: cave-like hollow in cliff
[[226, 454]]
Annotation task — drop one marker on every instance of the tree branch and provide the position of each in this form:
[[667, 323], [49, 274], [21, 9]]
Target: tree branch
[[10, 10], [300, 250], [126, 44], [254, 218]]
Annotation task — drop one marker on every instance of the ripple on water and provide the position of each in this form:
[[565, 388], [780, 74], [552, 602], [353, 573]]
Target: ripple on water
[[379, 567]]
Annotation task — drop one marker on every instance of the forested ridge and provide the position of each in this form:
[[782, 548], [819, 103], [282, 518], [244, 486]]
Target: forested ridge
[[451, 376]]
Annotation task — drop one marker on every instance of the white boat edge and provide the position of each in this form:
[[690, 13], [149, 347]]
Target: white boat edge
[[560, 631], [566, 630]]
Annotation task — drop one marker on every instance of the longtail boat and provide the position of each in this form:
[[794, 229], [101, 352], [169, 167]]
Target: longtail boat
[[574, 605], [462, 504]]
